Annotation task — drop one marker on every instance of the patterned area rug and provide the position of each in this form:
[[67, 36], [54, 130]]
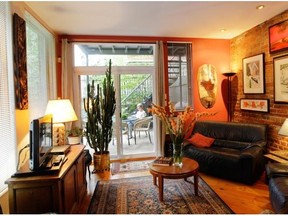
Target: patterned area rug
[[138, 195], [134, 166]]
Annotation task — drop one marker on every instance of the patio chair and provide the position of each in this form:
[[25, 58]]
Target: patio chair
[[143, 124], [125, 131]]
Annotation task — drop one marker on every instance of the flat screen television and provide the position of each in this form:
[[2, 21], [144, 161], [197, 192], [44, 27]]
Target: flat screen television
[[41, 142]]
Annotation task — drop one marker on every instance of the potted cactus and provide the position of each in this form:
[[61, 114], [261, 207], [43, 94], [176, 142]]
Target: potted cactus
[[100, 106]]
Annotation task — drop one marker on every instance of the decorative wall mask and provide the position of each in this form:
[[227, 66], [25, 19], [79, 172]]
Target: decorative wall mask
[[20, 67], [207, 85]]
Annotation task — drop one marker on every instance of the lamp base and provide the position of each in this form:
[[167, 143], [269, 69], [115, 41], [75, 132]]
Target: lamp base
[[58, 134]]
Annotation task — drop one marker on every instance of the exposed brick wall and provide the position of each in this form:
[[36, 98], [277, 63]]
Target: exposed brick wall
[[250, 43]]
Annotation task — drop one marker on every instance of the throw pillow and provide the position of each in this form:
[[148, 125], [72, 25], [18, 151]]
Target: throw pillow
[[201, 141]]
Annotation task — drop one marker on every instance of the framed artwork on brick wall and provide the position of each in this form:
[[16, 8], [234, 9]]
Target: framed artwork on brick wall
[[281, 79], [253, 74], [278, 37], [259, 105]]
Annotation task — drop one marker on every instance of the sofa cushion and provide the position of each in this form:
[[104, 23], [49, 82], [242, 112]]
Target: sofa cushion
[[232, 144], [215, 161], [200, 140]]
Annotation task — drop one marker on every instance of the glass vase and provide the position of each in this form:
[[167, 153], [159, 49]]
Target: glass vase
[[177, 154]]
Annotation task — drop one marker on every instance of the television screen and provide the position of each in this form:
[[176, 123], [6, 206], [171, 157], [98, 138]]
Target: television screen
[[45, 138], [40, 141]]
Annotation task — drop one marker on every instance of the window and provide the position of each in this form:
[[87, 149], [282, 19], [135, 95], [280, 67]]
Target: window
[[94, 54], [7, 108], [40, 66], [179, 72]]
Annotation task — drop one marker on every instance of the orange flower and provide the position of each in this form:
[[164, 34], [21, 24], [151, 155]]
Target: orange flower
[[178, 124]]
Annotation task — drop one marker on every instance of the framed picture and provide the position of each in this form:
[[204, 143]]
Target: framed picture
[[281, 79], [259, 105], [253, 74], [278, 35]]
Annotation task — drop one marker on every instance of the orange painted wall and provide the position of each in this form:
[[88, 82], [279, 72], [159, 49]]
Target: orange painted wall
[[217, 53]]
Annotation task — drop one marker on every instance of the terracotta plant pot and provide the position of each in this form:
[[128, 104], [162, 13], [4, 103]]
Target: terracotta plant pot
[[101, 162]]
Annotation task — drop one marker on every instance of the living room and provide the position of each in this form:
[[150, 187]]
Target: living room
[[224, 54]]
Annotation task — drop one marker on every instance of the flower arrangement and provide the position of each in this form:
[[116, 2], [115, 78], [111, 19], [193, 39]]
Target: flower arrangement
[[178, 124]]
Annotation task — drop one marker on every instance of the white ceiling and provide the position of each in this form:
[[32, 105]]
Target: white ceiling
[[196, 19]]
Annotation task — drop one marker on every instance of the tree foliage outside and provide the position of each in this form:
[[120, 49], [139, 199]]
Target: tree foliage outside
[[135, 88]]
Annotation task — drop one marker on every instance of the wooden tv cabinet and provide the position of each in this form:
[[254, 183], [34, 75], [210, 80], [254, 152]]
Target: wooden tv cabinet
[[50, 193]]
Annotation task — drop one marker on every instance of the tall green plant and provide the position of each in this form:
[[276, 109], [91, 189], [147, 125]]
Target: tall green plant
[[100, 106]]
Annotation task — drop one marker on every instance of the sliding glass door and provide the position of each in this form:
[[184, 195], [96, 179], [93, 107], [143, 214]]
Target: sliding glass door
[[136, 89], [133, 78]]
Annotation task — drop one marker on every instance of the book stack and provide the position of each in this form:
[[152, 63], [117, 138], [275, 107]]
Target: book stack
[[163, 161]]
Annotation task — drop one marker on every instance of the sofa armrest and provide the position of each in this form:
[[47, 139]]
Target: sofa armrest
[[260, 144], [252, 151], [276, 170]]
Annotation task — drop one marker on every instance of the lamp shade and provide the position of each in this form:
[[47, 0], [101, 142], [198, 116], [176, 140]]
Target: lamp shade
[[284, 128], [229, 73], [61, 110]]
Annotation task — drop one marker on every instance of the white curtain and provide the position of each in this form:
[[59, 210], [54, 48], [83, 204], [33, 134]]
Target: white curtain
[[67, 70], [68, 76], [160, 96]]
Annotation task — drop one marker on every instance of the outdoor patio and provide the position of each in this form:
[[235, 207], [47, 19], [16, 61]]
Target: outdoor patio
[[143, 145]]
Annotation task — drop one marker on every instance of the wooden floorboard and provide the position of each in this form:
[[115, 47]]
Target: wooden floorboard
[[241, 198]]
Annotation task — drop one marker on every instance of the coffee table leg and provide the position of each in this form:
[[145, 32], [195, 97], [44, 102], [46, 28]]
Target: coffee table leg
[[154, 179], [196, 184], [160, 182]]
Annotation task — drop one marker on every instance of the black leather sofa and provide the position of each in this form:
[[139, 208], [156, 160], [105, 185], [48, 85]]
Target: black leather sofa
[[236, 154], [277, 176]]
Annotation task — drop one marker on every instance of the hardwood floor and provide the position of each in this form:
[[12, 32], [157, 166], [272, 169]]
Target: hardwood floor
[[241, 198]]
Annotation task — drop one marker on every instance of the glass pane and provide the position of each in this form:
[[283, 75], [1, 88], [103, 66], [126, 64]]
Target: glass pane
[[136, 89], [121, 55], [178, 74], [37, 85]]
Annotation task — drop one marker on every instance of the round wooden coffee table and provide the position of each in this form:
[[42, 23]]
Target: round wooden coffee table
[[189, 168]]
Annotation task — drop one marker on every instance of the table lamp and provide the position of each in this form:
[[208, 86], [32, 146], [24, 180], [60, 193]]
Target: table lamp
[[283, 131], [284, 128], [62, 112]]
